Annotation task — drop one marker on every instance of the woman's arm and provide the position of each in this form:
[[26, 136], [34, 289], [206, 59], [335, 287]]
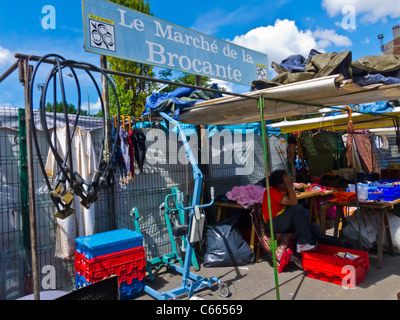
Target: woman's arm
[[291, 198]]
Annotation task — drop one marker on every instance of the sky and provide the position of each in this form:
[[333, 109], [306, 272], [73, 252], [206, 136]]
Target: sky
[[278, 28]]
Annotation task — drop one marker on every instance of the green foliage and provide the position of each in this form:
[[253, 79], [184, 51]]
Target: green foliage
[[187, 78], [131, 92], [191, 79], [60, 108], [165, 74]]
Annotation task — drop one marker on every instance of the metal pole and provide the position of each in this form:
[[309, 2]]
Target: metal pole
[[9, 71], [273, 245], [77, 65], [107, 137], [24, 183], [31, 186]]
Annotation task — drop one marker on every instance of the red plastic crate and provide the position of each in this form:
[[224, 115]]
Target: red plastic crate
[[127, 264], [322, 264]]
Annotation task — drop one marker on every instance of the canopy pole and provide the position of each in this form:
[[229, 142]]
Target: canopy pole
[[273, 245], [31, 185]]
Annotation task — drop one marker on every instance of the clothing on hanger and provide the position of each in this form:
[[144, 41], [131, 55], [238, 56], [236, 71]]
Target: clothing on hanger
[[124, 137], [82, 222], [131, 155], [118, 159], [138, 140]]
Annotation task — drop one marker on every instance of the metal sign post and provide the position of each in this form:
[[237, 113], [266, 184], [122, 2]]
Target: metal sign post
[[31, 186], [273, 245]]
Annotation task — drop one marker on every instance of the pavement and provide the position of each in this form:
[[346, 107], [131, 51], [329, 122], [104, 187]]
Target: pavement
[[257, 282]]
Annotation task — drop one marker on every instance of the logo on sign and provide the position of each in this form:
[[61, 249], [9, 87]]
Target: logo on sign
[[102, 35], [261, 72]]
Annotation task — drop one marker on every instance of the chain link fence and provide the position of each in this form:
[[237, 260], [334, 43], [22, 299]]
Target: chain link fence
[[230, 163]]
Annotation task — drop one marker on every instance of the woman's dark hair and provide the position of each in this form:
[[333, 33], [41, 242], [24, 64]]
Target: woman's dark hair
[[276, 178], [292, 139]]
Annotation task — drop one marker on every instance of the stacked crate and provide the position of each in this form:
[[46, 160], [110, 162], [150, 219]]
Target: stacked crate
[[325, 263], [118, 252]]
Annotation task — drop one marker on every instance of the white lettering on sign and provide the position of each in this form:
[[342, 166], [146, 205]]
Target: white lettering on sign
[[136, 23], [128, 34], [158, 55]]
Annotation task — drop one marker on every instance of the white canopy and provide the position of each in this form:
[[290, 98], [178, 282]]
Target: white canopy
[[339, 122], [299, 98]]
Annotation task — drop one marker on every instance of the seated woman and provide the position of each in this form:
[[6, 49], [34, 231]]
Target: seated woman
[[287, 214]]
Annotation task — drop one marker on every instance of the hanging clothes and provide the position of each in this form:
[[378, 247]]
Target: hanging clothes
[[82, 223], [138, 140], [124, 137], [118, 159], [349, 142], [131, 155], [385, 143], [366, 151], [324, 151]]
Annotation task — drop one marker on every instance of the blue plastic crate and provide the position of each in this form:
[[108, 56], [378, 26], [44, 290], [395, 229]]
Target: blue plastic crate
[[130, 291], [80, 281], [384, 197], [388, 181], [372, 193], [108, 242], [390, 192], [126, 291]]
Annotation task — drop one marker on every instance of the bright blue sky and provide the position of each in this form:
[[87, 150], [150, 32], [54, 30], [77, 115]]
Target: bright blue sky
[[278, 28]]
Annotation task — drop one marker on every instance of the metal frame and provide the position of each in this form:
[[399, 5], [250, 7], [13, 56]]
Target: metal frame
[[191, 282], [186, 287], [181, 212], [158, 261]]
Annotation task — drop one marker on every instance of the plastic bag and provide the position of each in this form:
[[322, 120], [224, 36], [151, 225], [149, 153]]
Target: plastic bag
[[368, 227], [226, 246]]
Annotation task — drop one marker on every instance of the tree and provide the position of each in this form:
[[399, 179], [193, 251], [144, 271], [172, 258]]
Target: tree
[[60, 108], [187, 78], [132, 93]]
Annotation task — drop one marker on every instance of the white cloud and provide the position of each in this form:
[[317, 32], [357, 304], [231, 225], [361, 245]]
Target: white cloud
[[5, 105], [366, 41], [210, 22], [228, 86], [278, 41], [330, 37], [6, 57], [284, 38], [94, 106], [367, 10]]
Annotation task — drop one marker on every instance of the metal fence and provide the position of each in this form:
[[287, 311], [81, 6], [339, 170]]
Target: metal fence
[[112, 210], [386, 148]]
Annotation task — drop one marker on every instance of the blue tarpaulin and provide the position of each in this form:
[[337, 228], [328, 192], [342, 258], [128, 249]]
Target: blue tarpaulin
[[375, 78], [374, 108], [173, 102]]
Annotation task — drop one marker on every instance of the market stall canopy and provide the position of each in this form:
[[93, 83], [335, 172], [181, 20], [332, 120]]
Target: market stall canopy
[[294, 99], [339, 122]]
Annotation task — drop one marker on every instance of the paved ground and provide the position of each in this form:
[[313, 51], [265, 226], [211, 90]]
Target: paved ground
[[257, 282]]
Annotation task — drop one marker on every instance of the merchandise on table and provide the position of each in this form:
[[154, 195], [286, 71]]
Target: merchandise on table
[[385, 190]]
